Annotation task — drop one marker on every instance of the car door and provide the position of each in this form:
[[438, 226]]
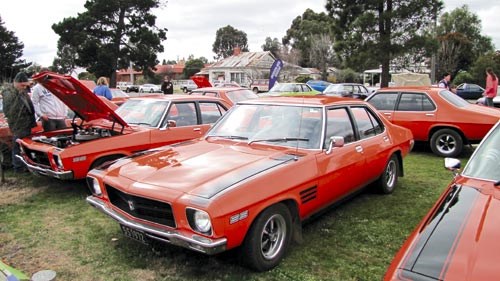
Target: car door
[[340, 171], [417, 112]]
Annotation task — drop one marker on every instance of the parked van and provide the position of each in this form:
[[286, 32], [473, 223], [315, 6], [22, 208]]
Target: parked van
[[260, 85]]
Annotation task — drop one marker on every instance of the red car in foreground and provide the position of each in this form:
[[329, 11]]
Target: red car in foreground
[[436, 116], [231, 94], [458, 238], [104, 134], [266, 166]]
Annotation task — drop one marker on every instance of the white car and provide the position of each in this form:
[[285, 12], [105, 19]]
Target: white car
[[496, 100], [149, 88]]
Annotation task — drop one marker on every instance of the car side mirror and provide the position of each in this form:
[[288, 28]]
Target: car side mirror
[[171, 123], [452, 164], [335, 141]]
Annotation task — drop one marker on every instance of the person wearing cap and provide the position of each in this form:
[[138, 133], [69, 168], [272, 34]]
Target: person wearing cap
[[20, 114], [51, 110]]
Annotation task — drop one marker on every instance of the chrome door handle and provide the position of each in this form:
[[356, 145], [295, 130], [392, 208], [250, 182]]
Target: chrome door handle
[[429, 114], [386, 139], [197, 129], [359, 149]]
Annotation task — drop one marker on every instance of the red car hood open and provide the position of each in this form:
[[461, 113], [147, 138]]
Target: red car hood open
[[78, 97], [201, 81], [203, 169]]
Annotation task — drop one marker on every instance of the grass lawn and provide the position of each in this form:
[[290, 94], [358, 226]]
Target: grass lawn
[[46, 224]]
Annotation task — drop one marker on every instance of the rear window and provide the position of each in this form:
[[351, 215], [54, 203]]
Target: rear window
[[453, 98]]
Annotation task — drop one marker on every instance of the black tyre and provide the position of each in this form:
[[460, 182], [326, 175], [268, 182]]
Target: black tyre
[[446, 143], [141, 90], [151, 91], [98, 162], [268, 238], [255, 90], [389, 177], [185, 90]]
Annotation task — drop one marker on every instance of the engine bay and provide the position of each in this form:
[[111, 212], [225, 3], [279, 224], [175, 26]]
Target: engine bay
[[79, 135]]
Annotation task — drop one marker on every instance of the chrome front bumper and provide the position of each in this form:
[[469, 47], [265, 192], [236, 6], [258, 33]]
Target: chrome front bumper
[[67, 175], [193, 242]]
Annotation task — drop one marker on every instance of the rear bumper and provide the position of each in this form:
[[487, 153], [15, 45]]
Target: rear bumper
[[192, 242], [66, 175]]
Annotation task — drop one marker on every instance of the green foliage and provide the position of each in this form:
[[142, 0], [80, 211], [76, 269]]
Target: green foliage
[[273, 46], [111, 33], [460, 40], [302, 79], [226, 39], [491, 59], [374, 32], [463, 77], [348, 75], [64, 62], [87, 76], [11, 49], [192, 67], [301, 33]]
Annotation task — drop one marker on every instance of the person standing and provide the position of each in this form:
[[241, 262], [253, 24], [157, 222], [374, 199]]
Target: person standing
[[20, 114], [102, 88], [445, 82], [491, 87], [51, 110], [167, 87]]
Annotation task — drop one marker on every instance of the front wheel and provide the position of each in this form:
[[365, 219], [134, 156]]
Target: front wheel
[[185, 90], [446, 143], [268, 238], [389, 179], [255, 90]]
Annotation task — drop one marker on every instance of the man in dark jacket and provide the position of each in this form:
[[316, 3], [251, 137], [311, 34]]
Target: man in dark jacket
[[20, 114], [167, 87]]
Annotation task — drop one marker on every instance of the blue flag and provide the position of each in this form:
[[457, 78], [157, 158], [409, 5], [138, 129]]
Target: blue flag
[[275, 72]]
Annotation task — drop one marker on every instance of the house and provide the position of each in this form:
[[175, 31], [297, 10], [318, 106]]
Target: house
[[131, 75]]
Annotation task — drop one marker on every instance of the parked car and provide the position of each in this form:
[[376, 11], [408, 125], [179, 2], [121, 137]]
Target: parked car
[[259, 85], [290, 89], [188, 86], [318, 85], [132, 88], [351, 90], [458, 238], [149, 88], [470, 91], [230, 95], [103, 134], [266, 166], [222, 84], [496, 100], [119, 96], [436, 116]]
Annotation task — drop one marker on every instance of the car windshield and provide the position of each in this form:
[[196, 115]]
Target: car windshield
[[334, 88], [241, 95], [485, 162], [283, 88], [146, 112], [282, 125], [117, 93], [453, 98]]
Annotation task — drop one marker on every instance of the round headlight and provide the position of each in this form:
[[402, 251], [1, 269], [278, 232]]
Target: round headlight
[[202, 221]]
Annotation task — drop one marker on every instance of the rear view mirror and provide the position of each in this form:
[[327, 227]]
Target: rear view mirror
[[171, 123], [335, 141]]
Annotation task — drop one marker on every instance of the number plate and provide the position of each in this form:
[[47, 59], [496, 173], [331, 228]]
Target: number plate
[[134, 234]]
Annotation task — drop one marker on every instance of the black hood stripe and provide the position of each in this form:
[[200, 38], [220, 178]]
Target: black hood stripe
[[439, 238]]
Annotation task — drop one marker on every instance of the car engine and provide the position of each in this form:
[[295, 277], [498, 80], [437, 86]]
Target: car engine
[[79, 135]]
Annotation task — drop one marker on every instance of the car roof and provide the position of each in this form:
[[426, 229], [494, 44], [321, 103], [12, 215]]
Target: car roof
[[179, 97], [318, 100]]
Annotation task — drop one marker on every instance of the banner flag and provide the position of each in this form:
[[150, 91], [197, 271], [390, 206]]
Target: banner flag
[[275, 72]]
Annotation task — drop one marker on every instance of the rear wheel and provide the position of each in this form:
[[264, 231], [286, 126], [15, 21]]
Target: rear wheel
[[255, 90], [185, 90], [446, 143], [389, 178], [268, 238]]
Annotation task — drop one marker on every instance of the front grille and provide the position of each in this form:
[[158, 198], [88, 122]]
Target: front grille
[[142, 208], [37, 157]]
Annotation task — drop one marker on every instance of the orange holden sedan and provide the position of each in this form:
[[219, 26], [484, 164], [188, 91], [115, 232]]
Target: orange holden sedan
[[99, 134], [458, 238], [266, 166], [436, 116]]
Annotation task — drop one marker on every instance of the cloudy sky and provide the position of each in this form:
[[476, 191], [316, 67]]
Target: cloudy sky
[[192, 24]]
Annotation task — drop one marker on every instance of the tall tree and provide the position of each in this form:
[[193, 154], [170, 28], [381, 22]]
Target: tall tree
[[11, 49], [381, 30], [460, 40], [322, 53], [64, 62], [193, 66], [112, 33], [273, 46], [226, 39], [302, 31]]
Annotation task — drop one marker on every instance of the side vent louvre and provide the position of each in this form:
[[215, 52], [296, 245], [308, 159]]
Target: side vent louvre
[[308, 194]]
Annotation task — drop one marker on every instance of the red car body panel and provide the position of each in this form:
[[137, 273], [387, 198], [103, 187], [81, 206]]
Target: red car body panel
[[232, 177], [458, 238], [231, 95], [103, 134], [201, 81]]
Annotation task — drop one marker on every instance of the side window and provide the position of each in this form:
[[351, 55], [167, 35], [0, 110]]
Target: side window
[[339, 124], [384, 101], [367, 124], [211, 112], [183, 113], [415, 102]]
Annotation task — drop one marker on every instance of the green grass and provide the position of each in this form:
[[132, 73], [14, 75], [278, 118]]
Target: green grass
[[46, 224]]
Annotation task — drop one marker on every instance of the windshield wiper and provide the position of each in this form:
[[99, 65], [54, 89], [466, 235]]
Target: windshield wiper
[[284, 139], [140, 123], [230, 137]]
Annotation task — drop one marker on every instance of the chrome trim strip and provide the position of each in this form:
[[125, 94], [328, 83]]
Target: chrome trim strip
[[67, 175], [197, 243]]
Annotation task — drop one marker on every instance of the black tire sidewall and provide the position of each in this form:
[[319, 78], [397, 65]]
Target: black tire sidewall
[[383, 187], [437, 135]]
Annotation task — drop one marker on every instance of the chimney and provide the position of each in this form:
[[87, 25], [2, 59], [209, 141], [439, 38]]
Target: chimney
[[236, 50]]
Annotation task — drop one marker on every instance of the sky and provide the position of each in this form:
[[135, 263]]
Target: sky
[[192, 25]]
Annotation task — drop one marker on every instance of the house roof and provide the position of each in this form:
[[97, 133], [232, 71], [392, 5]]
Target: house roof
[[246, 59], [160, 68]]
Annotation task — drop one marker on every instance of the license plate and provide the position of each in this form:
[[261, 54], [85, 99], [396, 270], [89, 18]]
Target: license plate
[[134, 234]]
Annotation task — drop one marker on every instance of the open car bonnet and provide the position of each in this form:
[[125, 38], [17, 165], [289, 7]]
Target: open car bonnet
[[201, 81], [78, 97]]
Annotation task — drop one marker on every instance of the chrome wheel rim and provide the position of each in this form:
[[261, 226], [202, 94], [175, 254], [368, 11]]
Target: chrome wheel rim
[[391, 174], [273, 236], [446, 144]]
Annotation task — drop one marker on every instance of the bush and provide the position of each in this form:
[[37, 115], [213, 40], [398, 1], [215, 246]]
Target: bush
[[463, 77]]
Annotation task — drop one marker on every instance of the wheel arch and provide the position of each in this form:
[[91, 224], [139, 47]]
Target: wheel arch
[[104, 158], [456, 129]]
